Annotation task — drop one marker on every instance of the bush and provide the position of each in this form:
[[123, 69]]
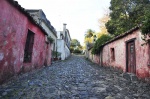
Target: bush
[[77, 51], [100, 42], [56, 54], [71, 49], [50, 39]]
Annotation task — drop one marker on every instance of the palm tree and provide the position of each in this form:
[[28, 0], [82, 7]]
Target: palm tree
[[89, 33]]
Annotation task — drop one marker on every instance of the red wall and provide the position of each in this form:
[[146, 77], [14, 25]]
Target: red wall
[[13, 33]]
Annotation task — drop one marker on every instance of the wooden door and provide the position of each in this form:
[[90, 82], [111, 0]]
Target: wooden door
[[47, 54], [131, 64]]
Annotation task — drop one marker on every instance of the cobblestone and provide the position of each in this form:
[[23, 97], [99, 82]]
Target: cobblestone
[[74, 78]]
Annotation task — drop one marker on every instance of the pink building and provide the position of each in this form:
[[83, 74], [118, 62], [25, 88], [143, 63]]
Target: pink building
[[127, 53], [23, 45]]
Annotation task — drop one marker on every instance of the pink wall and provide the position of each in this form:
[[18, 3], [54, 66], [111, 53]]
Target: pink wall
[[142, 68], [13, 33], [142, 54], [142, 58], [96, 59]]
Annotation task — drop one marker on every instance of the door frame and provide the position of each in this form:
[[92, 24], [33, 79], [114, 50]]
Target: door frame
[[131, 40]]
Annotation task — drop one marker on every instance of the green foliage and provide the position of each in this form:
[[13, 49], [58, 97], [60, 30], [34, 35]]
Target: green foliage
[[75, 42], [99, 43], [89, 36], [89, 33], [146, 25], [77, 51], [71, 49], [56, 54], [75, 46], [50, 39], [146, 29], [126, 14]]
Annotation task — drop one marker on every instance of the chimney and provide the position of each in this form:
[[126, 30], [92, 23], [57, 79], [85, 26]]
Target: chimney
[[64, 27]]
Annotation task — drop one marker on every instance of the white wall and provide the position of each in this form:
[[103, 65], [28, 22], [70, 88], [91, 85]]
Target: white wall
[[67, 51], [50, 34], [62, 45], [61, 48], [58, 34]]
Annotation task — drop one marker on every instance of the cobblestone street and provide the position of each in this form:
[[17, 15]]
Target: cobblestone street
[[74, 78]]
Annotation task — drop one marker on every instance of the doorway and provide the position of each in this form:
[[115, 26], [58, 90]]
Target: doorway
[[131, 59]]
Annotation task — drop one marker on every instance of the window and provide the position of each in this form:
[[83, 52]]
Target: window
[[28, 47], [112, 54], [61, 36]]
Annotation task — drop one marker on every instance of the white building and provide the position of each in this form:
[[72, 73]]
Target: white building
[[63, 42], [41, 19]]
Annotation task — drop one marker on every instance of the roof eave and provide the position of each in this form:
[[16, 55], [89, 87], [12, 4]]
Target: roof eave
[[21, 9]]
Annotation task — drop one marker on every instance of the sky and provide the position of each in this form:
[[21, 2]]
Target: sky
[[79, 15]]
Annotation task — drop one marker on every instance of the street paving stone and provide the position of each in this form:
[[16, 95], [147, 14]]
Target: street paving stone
[[74, 78]]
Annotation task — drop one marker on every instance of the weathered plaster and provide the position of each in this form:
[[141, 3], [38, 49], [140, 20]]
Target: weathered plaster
[[14, 26], [141, 53], [1, 56]]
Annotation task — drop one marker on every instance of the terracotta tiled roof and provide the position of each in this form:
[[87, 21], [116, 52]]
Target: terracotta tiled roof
[[42, 16], [90, 45], [21, 9], [123, 35]]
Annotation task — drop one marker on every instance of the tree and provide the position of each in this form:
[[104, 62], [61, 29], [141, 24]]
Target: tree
[[75, 46], [89, 36], [146, 29], [89, 33], [99, 43], [126, 14], [75, 42], [146, 26], [102, 21]]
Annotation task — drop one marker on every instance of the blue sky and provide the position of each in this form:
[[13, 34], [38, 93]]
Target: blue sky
[[79, 15]]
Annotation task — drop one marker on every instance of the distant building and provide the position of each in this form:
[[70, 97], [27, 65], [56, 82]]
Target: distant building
[[41, 19], [63, 42], [23, 44]]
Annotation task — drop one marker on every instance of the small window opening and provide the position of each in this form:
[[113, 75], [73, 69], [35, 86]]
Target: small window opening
[[61, 36], [112, 54], [29, 47]]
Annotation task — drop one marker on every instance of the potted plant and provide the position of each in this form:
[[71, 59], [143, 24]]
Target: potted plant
[[50, 39], [56, 55]]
